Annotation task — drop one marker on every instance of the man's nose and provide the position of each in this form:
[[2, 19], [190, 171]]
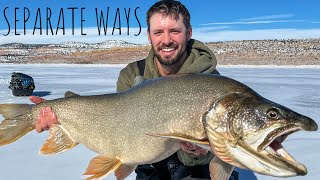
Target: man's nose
[[167, 39]]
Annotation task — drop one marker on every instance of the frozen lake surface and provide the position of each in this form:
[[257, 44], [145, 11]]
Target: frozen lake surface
[[296, 88]]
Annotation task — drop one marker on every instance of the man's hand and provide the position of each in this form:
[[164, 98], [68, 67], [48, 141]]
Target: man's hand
[[193, 149], [46, 116]]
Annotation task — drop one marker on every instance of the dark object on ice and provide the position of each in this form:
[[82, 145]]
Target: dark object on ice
[[21, 84]]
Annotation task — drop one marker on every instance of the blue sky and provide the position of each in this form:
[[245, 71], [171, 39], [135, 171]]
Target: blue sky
[[211, 20]]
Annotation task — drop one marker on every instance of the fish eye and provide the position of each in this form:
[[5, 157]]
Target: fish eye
[[273, 113]]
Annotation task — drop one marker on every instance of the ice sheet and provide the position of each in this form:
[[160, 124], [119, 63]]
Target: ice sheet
[[296, 88]]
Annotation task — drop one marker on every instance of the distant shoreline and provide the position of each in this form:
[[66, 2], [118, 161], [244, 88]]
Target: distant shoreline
[[291, 52], [123, 65]]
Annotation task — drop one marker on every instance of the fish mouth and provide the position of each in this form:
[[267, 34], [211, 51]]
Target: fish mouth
[[272, 144]]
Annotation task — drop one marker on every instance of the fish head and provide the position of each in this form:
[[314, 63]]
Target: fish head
[[248, 130]]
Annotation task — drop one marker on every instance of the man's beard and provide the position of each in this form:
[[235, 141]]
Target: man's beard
[[168, 61]]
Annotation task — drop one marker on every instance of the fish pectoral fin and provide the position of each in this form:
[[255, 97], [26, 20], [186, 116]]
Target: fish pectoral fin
[[220, 170], [101, 166], [124, 171], [58, 141], [180, 137]]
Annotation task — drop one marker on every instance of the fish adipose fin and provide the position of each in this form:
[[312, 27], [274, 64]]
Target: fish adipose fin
[[58, 141], [180, 137], [17, 122], [101, 166], [220, 170]]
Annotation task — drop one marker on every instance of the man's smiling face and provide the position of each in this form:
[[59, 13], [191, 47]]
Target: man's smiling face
[[168, 37]]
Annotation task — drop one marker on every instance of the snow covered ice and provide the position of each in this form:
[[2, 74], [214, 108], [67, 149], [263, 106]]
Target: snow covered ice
[[297, 88]]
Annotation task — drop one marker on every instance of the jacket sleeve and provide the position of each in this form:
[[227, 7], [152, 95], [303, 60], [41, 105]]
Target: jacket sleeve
[[126, 77]]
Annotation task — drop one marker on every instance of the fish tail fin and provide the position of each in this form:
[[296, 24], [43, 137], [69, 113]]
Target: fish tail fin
[[18, 122]]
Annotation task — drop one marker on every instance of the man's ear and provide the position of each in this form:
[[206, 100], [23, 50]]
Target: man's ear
[[189, 33], [148, 33]]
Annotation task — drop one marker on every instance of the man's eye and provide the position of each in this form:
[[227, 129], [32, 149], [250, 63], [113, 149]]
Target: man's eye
[[175, 31]]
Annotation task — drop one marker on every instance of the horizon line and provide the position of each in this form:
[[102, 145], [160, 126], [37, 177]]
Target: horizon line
[[202, 34]]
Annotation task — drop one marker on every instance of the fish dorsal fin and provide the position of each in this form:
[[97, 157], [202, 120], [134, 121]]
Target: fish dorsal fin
[[124, 171], [101, 166], [58, 141], [220, 170], [180, 137], [70, 94]]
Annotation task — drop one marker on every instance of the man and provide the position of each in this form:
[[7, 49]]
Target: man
[[173, 52]]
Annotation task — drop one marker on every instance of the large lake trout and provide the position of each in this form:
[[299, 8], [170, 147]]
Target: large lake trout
[[147, 123]]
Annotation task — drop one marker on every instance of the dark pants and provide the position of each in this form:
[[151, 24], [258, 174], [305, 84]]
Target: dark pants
[[172, 168]]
